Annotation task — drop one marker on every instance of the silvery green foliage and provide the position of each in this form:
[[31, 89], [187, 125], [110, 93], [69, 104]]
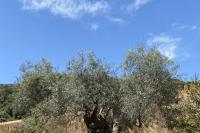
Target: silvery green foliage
[[146, 73], [99, 96], [97, 81], [95, 77], [34, 86], [61, 107], [87, 83]]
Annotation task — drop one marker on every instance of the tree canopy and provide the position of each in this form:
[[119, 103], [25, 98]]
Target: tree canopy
[[90, 91], [146, 84]]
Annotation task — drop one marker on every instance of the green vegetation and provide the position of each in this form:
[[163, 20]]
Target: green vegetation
[[90, 90], [187, 110], [147, 85], [6, 102]]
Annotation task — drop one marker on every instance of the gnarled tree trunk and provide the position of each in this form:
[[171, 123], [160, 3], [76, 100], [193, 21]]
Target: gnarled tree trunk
[[95, 122]]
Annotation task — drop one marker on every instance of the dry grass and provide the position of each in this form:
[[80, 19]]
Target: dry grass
[[80, 128], [6, 125]]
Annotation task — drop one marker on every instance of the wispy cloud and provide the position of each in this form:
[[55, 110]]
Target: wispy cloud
[[137, 4], [94, 26], [115, 19], [72, 9], [167, 45], [186, 27]]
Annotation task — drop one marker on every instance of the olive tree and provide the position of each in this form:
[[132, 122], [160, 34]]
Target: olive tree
[[99, 95], [33, 85], [61, 107], [88, 90], [145, 84]]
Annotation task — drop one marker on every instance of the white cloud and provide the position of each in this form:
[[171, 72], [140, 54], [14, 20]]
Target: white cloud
[[165, 44], [67, 8], [94, 26], [115, 19], [75, 9], [137, 4], [186, 27]]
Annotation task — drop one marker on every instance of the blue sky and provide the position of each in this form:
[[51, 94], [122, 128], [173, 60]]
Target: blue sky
[[59, 29]]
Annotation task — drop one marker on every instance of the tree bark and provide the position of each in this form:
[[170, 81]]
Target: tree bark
[[139, 117], [95, 122]]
